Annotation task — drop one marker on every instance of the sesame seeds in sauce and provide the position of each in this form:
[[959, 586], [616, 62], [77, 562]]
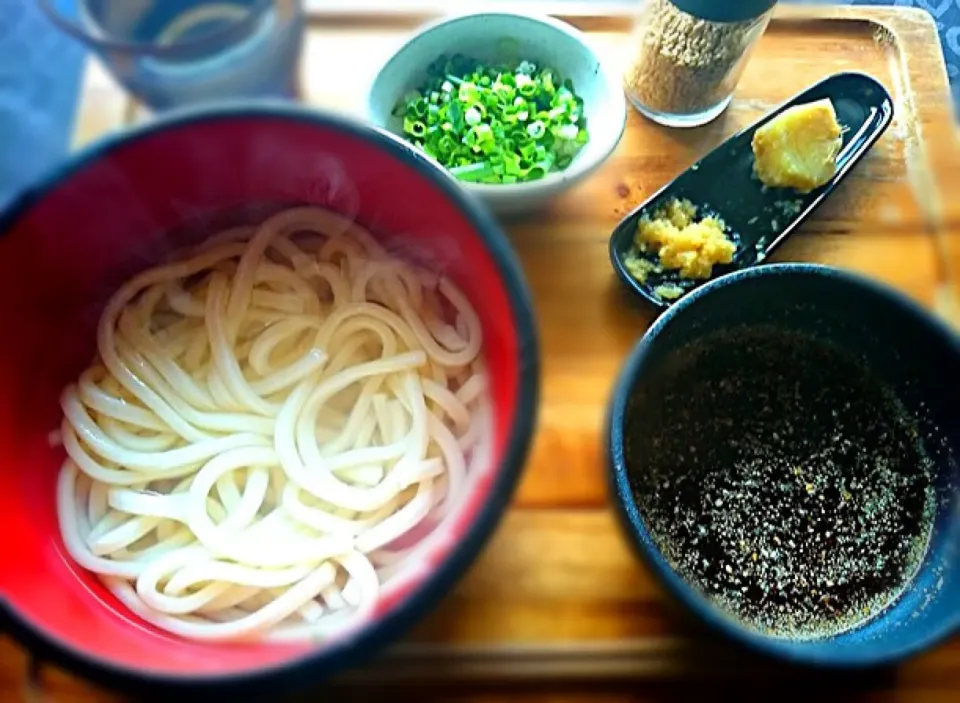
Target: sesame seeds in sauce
[[783, 480]]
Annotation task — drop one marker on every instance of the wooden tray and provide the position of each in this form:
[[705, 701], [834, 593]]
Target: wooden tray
[[557, 595]]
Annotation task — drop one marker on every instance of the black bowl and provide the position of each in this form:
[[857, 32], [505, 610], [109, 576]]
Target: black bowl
[[907, 348]]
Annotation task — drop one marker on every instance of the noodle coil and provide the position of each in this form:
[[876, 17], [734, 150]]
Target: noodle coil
[[276, 428]]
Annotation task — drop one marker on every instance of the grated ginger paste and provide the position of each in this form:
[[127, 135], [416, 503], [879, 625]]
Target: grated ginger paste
[[681, 243], [798, 149]]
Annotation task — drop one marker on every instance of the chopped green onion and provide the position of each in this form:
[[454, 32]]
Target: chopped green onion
[[469, 93], [414, 128], [495, 124], [472, 172]]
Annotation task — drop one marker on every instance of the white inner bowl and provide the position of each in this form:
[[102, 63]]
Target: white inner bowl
[[491, 38]]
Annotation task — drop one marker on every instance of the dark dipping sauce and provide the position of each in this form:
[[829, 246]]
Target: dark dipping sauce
[[783, 480]]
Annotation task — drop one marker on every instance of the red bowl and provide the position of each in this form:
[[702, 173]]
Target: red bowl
[[121, 206]]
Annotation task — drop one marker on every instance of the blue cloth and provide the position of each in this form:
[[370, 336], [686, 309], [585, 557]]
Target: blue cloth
[[40, 70]]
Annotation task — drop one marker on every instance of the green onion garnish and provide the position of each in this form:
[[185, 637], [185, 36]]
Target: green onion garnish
[[495, 124]]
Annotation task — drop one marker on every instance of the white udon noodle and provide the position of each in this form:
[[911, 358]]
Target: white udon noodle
[[276, 425]]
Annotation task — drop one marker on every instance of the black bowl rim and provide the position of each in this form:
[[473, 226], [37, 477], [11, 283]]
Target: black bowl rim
[[320, 663], [633, 524]]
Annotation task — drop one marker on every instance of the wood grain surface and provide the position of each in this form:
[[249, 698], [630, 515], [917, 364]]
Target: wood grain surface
[[557, 606]]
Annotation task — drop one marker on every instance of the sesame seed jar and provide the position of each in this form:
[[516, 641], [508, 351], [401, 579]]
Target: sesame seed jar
[[686, 57]]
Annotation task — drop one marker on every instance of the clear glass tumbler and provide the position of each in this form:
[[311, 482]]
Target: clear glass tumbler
[[686, 56], [170, 53]]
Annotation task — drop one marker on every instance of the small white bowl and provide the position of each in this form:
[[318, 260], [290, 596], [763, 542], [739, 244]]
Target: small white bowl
[[542, 40]]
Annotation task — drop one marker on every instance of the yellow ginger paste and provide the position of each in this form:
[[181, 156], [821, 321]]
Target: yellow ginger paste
[[798, 148], [681, 243]]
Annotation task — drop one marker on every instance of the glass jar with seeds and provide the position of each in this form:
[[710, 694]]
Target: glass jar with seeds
[[686, 56]]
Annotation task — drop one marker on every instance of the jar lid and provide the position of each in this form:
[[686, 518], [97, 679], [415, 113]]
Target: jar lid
[[730, 11]]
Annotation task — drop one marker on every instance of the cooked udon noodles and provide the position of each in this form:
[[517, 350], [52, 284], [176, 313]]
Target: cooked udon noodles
[[275, 425]]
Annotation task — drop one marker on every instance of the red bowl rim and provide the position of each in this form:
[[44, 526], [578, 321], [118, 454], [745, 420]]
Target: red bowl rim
[[314, 667]]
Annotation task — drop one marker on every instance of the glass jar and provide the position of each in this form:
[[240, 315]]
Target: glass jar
[[686, 56], [173, 53]]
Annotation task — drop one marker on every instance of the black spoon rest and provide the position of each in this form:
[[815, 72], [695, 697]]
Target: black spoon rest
[[758, 218]]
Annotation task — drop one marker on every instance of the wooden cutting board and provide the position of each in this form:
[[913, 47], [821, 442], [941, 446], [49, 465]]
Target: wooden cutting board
[[557, 596]]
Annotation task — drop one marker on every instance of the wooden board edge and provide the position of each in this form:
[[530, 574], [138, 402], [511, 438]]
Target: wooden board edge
[[640, 659], [593, 16], [636, 660], [569, 669], [934, 149]]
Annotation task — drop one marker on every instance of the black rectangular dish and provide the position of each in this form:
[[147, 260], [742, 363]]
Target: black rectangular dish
[[758, 218]]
